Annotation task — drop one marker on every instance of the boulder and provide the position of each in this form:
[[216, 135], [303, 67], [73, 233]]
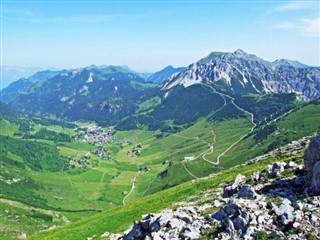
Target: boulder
[[240, 225], [155, 236], [285, 212], [191, 233], [249, 233], [312, 165], [315, 180], [275, 169], [183, 216], [255, 177], [230, 230], [219, 215], [300, 170], [247, 192], [312, 154], [136, 232], [229, 190], [175, 223]]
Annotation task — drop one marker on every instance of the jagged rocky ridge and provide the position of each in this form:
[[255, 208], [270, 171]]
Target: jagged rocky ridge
[[268, 204], [240, 73]]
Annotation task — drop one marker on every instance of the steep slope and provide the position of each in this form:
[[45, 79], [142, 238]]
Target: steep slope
[[9, 93], [6, 111], [240, 73], [164, 74], [103, 94]]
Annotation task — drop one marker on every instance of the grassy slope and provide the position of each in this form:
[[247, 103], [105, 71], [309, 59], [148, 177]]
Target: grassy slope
[[76, 190], [305, 121], [120, 218]]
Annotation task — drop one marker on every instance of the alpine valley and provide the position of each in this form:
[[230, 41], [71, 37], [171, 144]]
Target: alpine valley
[[85, 152]]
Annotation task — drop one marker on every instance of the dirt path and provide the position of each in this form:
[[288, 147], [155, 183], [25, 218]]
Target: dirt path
[[133, 187], [189, 171], [243, 136], [102, 177], [149, 185]]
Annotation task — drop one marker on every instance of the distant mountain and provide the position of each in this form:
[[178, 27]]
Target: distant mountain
[[12, 73], [9, 93], [241, 73], [143, 75], [164, 74], [220, 86], [104, 94], [290, 63]]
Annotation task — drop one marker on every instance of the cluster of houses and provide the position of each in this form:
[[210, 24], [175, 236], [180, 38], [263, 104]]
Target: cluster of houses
[[102, 152], [79, 161], [98, 137], [135, 151], [94, 135]]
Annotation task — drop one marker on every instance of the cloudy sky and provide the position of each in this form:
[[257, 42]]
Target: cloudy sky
[[148, 35]]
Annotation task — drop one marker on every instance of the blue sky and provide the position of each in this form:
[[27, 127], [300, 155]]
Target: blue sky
[[148, 35]]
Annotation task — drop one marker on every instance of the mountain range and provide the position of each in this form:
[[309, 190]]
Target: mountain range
[[119, 96]]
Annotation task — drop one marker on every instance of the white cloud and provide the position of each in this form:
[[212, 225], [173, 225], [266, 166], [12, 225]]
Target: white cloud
[[312, 26], [305, 26], [286, 25], [294, 6]]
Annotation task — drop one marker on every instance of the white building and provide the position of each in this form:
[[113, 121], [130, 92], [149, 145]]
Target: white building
[[188, 158]]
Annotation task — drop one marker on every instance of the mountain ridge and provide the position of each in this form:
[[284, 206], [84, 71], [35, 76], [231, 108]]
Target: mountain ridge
[[239, 73]]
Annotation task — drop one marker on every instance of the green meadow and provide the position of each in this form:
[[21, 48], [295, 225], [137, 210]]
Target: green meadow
[[92, 198]]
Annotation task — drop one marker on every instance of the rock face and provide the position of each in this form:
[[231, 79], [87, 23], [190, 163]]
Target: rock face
[[312, 164], [184, 222], [275, 169], [229, 190], [315, 181], [240, 72]]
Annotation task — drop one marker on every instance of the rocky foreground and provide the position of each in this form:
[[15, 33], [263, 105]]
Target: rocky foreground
[[281, 202]]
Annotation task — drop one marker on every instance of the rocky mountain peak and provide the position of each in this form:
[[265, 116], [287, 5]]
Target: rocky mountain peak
[[241, 73], [240, 52]]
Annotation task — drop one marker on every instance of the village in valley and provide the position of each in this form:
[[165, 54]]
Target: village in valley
[[95, 136]]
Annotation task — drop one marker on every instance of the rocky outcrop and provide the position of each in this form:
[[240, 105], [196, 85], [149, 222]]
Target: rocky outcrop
[[229, 190], [315, 180], [269, 204], [312, 164], [273, 203], [184, 222]]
